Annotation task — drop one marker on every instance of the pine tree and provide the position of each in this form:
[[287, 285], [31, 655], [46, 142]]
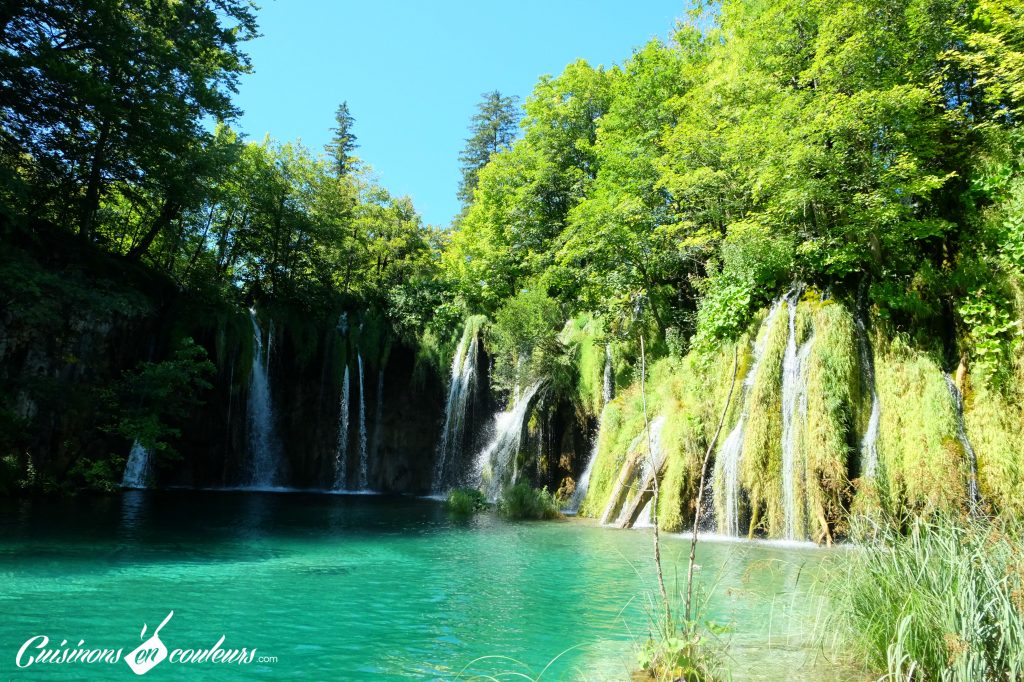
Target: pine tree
[[493, 128], [343, 143]]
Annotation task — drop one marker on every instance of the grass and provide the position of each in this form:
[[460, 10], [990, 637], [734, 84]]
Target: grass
[[466, 501], [521, 501], [942, 601]]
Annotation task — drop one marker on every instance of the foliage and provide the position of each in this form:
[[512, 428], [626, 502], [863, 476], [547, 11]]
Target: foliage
[[343, 141], [466, 501], [492, 129], [150, 402], [521, 501], [941, 601]]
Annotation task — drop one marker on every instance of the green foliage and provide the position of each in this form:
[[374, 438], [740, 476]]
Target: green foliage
[[97, 475], [761, 464], [466, 501], [689, 656], [150, 402], [941, 601], [521, 501], [833, 387], [922, 464], [524, 340], [994, 419], [492, 130], [343, 141]]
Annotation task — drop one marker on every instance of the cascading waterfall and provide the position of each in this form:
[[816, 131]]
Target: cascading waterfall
[[363, 454], [869, 443], [794, 406], [462, 376], [494, 460], [973, 494], [136, 471], [732, 447], [609, 385], [341, 452], [583, 484], [264, 446]]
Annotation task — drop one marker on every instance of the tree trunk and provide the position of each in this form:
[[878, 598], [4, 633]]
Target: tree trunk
[[168, 212], [91, 201]]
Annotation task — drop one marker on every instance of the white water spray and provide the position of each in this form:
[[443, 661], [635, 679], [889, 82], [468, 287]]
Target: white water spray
[[363, 454], [264, 446], [495, 460], [869, 443], [341, 451], [463, 373], [973, 494], [732, 447], [609, 386], [794, 407], [136, 471]]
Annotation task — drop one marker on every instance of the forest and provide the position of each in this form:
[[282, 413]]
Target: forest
[[802, 222]]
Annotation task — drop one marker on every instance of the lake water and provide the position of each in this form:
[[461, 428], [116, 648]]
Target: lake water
[[359, 587]]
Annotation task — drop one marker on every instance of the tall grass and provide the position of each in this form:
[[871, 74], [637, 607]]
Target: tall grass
[[943, 600], [520, 501]]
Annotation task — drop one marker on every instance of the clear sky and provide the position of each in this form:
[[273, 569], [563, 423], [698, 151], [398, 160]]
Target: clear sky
[[413, 71]]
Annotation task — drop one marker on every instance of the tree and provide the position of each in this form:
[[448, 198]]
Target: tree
[[492, 129], [102, 92], [343, 143]]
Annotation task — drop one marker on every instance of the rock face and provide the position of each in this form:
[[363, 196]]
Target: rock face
[[67, 337]]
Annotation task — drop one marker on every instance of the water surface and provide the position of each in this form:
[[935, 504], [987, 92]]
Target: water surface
[[376, 588]]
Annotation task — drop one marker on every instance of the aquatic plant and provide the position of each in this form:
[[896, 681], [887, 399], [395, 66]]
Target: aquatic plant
[[466, 501], [521, 501]]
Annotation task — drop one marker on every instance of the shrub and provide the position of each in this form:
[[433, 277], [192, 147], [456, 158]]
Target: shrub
[[521, 501], [466, 501]]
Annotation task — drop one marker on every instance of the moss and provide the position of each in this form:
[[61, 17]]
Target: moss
[[833, 380], [995, 426], [921, 462], [584, 336], [761, 464]]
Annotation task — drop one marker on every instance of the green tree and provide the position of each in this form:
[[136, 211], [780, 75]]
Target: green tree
[[114, 92], [343, 141], [492, 129]]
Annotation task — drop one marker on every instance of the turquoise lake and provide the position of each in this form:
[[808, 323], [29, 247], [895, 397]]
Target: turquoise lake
[[364, 587]]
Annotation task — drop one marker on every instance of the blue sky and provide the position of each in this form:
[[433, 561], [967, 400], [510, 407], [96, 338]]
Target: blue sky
[[413, 72]]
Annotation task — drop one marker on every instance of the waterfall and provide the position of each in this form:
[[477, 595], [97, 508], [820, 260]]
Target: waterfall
[[732, 447], [583, 484], [493, 461], [264, 447], [363, 454], [609, 386], [794, 405], [136, 471], [869, 443], [463, 372], [973, 494], [341, 452]]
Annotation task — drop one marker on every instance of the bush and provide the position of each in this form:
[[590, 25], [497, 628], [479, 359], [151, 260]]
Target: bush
[[466, 501], [520, 501], [942, 601]]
